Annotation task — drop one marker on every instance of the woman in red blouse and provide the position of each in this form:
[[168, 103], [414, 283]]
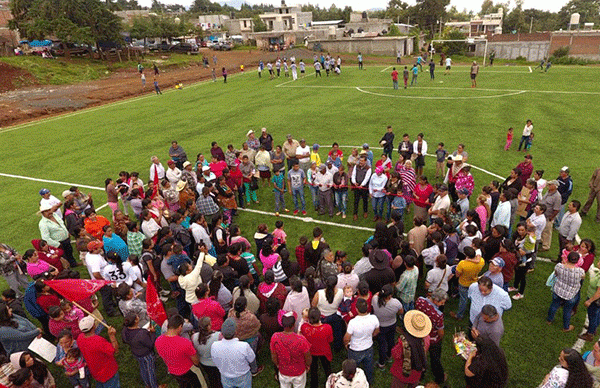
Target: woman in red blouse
[[320, 337], [421, 192], [208, 307]]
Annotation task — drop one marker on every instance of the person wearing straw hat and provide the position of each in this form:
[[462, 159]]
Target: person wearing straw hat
[[409, 354], [99, 353]]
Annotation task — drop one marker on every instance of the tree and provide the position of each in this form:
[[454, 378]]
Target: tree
[[429, 12], [454, 14], [542, 20], [394, 30], [515, 19], [77, 21], [397, 10], [259, 25], [588, 9], [488, 7]]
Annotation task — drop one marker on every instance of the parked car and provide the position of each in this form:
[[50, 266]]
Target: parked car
[[184, 48], [160, 46], [58, 48], [222, 46]]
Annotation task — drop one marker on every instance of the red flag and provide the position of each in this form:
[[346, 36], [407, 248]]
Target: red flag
[[76, 289], [155, 183], [156, 310]]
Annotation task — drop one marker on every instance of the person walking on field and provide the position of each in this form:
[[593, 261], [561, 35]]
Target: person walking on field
[[395, 78], [594, 194], [415, 74], [526, 134], [448, 65], [474, 72], [405, 76], [432, 69]]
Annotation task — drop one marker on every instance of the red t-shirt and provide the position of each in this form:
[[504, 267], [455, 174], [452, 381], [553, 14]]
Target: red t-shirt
[[218, 168], [320, 339], [57, 326], [210, 308], [177, 353], [290, 349], [99, 356], [47, 301], [394, 75]]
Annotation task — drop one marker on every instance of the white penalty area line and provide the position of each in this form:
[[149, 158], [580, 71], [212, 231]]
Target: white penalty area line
[[104, 106], [50, 181], [292, 80], [531, 71], [440, 98], [384, 70], [307, 219]]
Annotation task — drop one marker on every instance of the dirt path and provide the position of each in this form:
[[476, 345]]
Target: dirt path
[[26, 104]]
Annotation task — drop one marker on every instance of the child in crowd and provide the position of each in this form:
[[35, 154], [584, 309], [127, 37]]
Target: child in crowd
[[76, 368], [346, 304], [279, 235], [509, 139], [72, 313], [441, 154], [278, 181], [407, 284], [303, 319], [398, 206], [300, 250], [528, 249], [9, 297], [529, 142]]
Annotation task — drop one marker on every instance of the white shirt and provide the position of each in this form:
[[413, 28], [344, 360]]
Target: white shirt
[[441, 203], [159, 169], [502, 214], [190, 281], [527, 130], [232, 357], [303, 151], [541, 185], [174, 175], [539, 222], [150, 228], [439, 276], [113, 273], [377, 185], [200, 234], [361, 330], [52, 201], [94, 263], [430, 254], [448, 62], [323, 181], [423, 147], [133, 274]]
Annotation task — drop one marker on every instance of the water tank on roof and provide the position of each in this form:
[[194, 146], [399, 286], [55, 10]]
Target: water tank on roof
[[574, 19]]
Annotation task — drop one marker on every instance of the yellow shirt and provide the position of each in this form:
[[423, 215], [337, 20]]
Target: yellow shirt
[[469, 271], [314, 157]]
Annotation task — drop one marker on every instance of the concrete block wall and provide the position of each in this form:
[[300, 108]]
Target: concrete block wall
[[533, 51], [367, 46]]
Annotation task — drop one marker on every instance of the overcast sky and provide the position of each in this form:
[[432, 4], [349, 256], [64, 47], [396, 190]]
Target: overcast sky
[[361, 5]]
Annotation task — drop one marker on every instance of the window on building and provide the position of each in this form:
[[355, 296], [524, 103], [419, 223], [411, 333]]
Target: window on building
[[245, 24], [270, 24]]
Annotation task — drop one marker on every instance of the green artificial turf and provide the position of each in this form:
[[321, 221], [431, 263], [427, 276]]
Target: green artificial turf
[[354, 108]]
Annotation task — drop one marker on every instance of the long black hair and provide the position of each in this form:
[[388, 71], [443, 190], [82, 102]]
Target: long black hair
[[492, 360], [39, 370], [386, 292], [579, 376], [239, 306], [330, 284], [6, 318]]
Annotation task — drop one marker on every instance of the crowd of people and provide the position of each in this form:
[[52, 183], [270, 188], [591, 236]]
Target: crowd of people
[[175, 236]]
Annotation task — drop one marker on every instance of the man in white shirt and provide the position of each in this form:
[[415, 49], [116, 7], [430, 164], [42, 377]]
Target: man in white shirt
[[156, 168], [233, 357], [52, 201], [569, 226], [173, 173], [442, 202], [324, 181], [95, 264], [377, 192], [502, 213], [303, 155], [361, 175], [359, 338]]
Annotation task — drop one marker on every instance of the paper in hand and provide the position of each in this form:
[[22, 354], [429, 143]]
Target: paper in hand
[[43, 348]]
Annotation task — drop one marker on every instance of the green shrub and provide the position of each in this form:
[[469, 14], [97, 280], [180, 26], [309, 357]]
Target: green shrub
[[561, 52]]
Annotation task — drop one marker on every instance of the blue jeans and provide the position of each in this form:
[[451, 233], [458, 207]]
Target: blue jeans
[[524, 139], [378, 203], [314, 191], [341, 200], [567, 306], [395, 84], [279, 201], [463, 293], [299, 193], [364, 360], [148, 370], [560, 216], [83, 382], [594, 317], [386, 342], [407, 306], [244, 381], [112, 383]]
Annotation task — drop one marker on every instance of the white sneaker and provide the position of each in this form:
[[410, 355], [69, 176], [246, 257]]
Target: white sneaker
[[511, 289], [518, 296]]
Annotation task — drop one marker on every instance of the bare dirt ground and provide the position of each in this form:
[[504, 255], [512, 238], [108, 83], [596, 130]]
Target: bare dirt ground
[[26, 104]]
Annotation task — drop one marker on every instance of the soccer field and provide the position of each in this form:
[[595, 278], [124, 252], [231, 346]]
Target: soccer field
[[86, 147]]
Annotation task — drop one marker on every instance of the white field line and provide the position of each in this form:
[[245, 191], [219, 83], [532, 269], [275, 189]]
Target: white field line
[[292, 80], [307, 219], [103, 106], [385, 69], [102, 207], [449, 88], [50, 181], [531, 71], [439, 98]]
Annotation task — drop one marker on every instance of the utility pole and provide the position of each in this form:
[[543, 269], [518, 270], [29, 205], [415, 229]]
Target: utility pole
[[531, 25]]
